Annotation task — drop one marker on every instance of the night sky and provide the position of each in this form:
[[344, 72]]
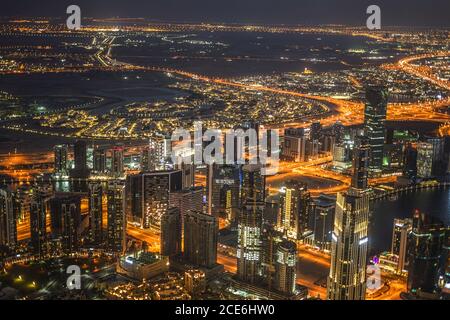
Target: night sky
[[350, 12]]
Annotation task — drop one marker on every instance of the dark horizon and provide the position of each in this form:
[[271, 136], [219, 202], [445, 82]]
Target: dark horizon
[[413, 13]]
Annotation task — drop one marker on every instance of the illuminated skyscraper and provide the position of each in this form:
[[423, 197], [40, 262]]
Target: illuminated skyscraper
[[8, 229], [294, 145], [99, 161], [149, 195], [347, 279], [249, 248], [374, 125], [424, 160], [116, 237], [200, 239], [361, 161], [253, 184], [171, 232], [187, 200], [61, 157], [323, 208], [426, 248], [155, 154], [38, 223], [117, 169], [399, 247], [223, 190], [294, 214], [269, 242], [65, 212], [95, 196], [286, 267]]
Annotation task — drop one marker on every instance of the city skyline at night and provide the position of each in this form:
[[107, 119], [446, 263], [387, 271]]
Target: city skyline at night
[[234, 151]]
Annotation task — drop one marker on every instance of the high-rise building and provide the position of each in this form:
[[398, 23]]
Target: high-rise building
[[188, 174], [95, 196], [8, 223], [342, 154], [286, 267], [148, 195], [294, 145], [171, 232], [426, 247], [61, 156], [410, 161], [187, 200], [38, 221], [399, 247], [315, 132], [117, 168], [323, 208], [269, 242], [200, 239], [99, 165], [253, 187], [424, 160], [116, 236], [250, 242], [80, 157], [361, 160], [374, 125], [294, 214], [155, 154], [194, 281], [347, 279], [65, 213], [222, 190], [338, 131]]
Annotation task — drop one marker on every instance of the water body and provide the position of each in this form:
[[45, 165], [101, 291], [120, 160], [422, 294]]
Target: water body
[[435, 202]]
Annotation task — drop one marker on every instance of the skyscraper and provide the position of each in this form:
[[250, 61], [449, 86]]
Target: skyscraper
[[154, 155], [424, 160], [323, 208], [80, 155], [253, 184], [361, 160], [148, 195], [38, 223], [294, 214], [95, 196], [116, 237], [8, 229], [99, 161], [187, 200], [347, 279], [286, 267], [399, 247], [65, 212], [426, 247], [61, 157], [374, 125], [223, 190], [200, 239], [249, 242], [171, 232], [294, 145], [117, 169], [269, 242]]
